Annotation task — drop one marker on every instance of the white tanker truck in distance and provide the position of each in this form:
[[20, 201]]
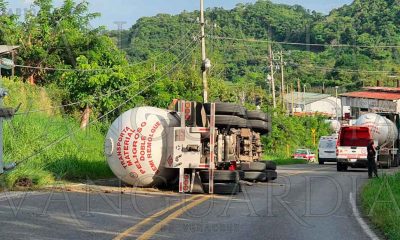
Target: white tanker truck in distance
[[353, 141], [197, 147]]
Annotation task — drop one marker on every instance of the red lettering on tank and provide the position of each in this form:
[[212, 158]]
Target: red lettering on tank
[[153, 166], [123, 147]]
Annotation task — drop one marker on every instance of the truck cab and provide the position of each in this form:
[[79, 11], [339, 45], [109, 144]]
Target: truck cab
[[352, 147]]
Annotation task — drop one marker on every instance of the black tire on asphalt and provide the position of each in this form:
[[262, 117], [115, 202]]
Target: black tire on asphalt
[[258, 115], [230, 121], [270, 165], [255, 176], [253, 166], [221, 176], [271, 175], [226, 109], [223, 188], [341, 167]]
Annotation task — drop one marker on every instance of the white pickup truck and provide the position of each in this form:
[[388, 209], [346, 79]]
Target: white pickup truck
[[352, 147]]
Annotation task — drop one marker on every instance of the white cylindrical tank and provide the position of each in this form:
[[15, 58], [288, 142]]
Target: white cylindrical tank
[[334, 124], [383, 130], [136, 146]]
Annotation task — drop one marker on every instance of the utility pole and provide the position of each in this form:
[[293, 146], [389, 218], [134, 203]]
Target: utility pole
[[206, 63], [292, 99], [271, 65], [1, 127], [337, 103], [282, 80]]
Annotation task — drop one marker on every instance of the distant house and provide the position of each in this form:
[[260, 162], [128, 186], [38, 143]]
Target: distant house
[[8, 52], [5, 49], [310, 103]]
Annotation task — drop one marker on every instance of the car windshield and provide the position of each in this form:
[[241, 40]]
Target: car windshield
[[327, 144], [301, 151]]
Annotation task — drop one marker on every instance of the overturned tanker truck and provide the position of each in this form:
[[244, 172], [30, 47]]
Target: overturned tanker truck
[[200, 148]]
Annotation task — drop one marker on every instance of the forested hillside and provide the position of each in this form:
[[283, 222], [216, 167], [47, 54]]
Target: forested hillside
[[238, 41]]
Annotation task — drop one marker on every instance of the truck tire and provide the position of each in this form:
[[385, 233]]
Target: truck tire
[[253, 166], [341, 167], [223, 188], [230, 121], [271, 175], [270, 165], [259, 126], [258, 115], [226, 109], [255, 176], [221, 176], [320, 161]]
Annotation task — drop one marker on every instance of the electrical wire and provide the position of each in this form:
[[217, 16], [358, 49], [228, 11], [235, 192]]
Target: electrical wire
[[106, 94], [303, 44], [54, 143]]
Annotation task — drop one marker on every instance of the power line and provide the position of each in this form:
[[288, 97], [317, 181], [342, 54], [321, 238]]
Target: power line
[[106, 94], [54, 143], [315, 66], [105, 69], [303, 44]]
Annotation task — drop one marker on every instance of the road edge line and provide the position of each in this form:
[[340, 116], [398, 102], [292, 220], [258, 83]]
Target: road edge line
[[365, 227]]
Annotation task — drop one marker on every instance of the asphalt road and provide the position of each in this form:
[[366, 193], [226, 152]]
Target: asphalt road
[[306, 202]]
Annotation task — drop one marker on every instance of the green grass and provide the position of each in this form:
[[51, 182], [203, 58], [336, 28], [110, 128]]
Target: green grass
[[380, 200], [289, 161], [78, 157], [281, 160]]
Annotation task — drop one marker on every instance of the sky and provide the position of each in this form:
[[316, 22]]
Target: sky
[[129, 11]]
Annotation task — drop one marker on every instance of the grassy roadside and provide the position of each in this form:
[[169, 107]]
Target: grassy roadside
[[380, 200], [37, 136], [281, 161]]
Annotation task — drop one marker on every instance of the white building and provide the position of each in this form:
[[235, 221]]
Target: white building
[[300, 102]]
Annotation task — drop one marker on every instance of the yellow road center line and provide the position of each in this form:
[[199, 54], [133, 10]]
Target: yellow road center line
[[133, 229], [156, 228]]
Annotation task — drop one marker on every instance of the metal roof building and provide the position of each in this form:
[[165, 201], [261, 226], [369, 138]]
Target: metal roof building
[[373, 99], [5, 49], [313, 103]]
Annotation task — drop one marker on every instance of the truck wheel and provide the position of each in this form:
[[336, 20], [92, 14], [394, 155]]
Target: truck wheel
[[258, 115], [226, 109], [255, 176], [341, 167], [228, 120], [254, 166], [321, 162], [257, 124], [270, 165], [220, 176], [271, 175], [223, 188]]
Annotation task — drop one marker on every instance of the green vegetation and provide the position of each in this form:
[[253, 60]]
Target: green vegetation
[[281, 161], [28, 136], [363, 23], [380, 202], [291, 133], [159, 62]]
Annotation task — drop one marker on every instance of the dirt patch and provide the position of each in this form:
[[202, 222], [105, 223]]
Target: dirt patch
[[24, 182]]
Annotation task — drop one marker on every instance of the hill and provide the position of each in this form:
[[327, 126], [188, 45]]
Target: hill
[[364, 24]]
